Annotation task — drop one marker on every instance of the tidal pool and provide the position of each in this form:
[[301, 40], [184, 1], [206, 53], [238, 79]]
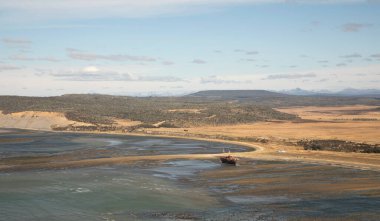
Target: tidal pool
[[176, 189]]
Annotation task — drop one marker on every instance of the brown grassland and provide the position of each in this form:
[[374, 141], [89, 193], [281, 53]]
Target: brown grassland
[[317, 123]]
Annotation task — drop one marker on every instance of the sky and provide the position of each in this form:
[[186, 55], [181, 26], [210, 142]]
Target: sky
[[174, 47]]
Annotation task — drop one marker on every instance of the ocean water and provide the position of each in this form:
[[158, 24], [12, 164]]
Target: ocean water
[[176, 189], [93, 194]]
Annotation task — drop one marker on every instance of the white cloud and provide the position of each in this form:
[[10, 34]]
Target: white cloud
[[323, 61], [18, 42], [8, 67], [290, 76], [247, 52], [354, 55], [57, 9], [88, 56], [117, 80], [90, 69], [341, 64], [93, 73], [91, 76], [24, 57], [167, 63], [159, 78], [354, 27], [223, 80], [376, 56], [199, 61], [49, 58], [20, 57]]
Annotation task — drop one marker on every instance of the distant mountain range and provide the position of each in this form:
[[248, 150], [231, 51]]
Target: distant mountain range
[[252, 94], [345, 92], [238, 94], [296, 97]]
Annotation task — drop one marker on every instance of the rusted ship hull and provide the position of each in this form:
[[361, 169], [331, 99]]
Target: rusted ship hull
[[229, 160]]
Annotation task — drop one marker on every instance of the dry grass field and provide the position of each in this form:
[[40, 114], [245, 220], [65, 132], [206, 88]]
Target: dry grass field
[[360, 124], [342, 113]]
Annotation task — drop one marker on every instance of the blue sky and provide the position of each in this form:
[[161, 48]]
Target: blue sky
[[179, 46]]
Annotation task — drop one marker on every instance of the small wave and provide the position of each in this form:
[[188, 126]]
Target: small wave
[[260, 199], [114, 142], [80, 190]]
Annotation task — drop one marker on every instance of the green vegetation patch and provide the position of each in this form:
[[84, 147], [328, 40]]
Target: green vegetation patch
[[171, 111]]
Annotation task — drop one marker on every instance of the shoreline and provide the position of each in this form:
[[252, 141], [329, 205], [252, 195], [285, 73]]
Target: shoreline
[[270, 151]]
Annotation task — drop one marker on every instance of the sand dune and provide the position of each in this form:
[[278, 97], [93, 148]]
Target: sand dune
[[36, 120]]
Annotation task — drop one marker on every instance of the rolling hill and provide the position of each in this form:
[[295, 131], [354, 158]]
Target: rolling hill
[[222, 107], [172, 111]]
